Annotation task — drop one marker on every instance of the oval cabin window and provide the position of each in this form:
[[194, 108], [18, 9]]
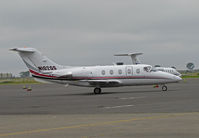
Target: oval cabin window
[[119, 71], [111, 72], [103, 72]]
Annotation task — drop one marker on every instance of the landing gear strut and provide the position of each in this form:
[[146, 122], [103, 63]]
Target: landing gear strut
[[97, 90], [164, 88]]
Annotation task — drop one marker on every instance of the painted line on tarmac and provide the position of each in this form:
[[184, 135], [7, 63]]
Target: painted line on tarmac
[[96, 124], [120, 106], [130, 98]]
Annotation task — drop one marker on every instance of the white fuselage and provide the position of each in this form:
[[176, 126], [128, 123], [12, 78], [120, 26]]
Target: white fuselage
[[112, 76]]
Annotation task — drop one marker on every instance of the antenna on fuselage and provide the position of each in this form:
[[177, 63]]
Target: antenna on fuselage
[[133, 57]]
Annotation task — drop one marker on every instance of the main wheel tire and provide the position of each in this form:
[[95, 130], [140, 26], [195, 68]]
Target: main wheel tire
[[97, 90], [164, 88]]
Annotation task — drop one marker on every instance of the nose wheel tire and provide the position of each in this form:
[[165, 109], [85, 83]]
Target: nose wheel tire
[[97, 90], [164, 88]]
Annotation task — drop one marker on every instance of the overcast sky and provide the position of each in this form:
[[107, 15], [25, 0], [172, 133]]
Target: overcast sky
[[90, 32]]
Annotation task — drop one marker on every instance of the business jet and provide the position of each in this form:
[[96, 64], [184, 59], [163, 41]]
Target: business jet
[[169, 70], [135, 60], [44, 69]]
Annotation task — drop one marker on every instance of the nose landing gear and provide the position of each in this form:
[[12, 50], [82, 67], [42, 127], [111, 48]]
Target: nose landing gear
[[97, 90], [164, 88]]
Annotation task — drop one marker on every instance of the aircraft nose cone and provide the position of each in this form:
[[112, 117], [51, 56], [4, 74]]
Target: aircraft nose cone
[[177, 78]]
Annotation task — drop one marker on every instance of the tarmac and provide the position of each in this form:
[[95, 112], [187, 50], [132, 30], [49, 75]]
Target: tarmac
[[139, 111]]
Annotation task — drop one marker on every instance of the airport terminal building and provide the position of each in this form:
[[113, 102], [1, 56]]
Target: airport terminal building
[[6, 75]]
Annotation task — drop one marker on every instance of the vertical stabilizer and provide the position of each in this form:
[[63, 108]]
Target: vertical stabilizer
[[35, 61]]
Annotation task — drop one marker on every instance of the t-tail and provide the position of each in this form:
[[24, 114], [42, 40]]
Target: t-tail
[[36, 62]]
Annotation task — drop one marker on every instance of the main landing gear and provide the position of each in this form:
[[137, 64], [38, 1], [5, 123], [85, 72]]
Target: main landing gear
[[97, 90]]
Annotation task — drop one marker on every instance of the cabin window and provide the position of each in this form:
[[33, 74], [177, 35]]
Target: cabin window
[[103, 72], [119, 71], [111, 72], [129, 71], [137, 71]]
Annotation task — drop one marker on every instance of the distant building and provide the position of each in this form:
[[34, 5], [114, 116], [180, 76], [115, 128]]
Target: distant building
[[6, 75], [24, 74]]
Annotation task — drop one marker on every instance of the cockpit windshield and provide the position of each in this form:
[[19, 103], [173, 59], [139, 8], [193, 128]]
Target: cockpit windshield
[[154, 70], [148, 68]]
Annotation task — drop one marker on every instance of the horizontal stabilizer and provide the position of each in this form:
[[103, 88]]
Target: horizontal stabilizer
[[130, 54], [30, 50], [133, 57]]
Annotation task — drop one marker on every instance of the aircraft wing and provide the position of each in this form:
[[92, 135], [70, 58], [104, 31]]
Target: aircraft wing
[[62, 74], [133, 57], [65, 77], [103, 83]]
